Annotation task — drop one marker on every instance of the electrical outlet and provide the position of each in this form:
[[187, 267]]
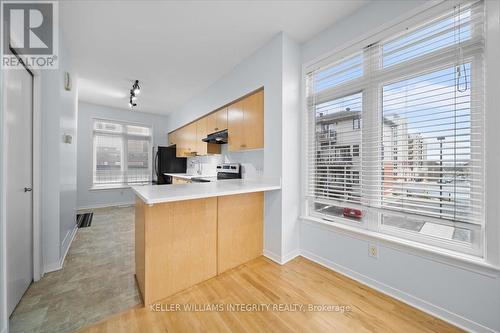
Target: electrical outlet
[[373, 251]]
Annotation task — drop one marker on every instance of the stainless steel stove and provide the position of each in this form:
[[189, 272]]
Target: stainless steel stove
[[228, 171]]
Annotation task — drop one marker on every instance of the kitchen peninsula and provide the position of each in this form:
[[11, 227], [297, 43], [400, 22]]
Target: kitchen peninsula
[[188, 233]]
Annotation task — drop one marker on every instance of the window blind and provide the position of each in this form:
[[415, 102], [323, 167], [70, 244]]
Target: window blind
[[397, 130], [121, 153]]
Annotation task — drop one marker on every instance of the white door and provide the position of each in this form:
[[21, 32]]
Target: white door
[[18, 122]]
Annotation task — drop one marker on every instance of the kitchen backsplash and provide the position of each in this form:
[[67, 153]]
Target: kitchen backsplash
[[252, 162]]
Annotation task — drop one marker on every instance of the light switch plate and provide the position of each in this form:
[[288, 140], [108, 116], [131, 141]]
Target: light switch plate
[[67, 138]]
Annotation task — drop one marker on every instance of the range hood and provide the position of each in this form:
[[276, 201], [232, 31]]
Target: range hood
[[217, 137]]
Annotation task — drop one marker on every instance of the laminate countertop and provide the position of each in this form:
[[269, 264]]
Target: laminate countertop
[[152, 194]]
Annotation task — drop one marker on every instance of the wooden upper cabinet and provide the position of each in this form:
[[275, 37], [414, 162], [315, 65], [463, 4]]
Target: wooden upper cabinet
[[221, 117], [217, 121], [201, 132], [181, 147], [253, 134], [235, 126], [246, 123], [191, 138], [172, 138], [243, 119], [186, 140], [203, 148], [211, 122]]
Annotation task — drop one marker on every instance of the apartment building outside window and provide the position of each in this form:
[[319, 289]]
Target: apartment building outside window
[[395, 141]]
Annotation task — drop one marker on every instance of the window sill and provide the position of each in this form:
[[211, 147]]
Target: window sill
[[108, 187], [471, 263]]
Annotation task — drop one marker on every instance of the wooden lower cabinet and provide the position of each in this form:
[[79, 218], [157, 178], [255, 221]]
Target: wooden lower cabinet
[[179, 242], [140, 248], [239, 229], [182, 243]]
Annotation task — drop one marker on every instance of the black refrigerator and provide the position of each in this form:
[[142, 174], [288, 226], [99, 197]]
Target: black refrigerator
[[165, 161]]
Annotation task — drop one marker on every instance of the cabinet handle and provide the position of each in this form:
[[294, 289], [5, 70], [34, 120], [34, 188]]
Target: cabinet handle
[[243, 146], [216, 128]]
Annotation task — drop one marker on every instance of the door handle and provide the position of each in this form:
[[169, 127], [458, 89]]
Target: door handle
[[28, 189]]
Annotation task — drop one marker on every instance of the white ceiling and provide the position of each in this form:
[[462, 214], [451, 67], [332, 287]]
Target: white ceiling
[[177, 48]]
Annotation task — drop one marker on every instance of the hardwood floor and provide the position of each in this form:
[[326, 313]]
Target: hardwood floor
[[261, 282]]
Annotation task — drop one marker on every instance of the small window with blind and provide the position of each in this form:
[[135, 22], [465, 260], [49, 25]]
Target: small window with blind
[[121, 154], [395, 134]]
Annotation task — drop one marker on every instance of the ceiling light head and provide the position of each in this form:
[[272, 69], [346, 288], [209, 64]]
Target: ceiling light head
[[133, 94], [136, 88], [131, 103]]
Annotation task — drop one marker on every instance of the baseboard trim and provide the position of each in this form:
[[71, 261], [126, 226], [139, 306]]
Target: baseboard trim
[[436, 311], [273, 256], [66, 244], [105, 205], [52, 267], [281, 259], [290, 256]]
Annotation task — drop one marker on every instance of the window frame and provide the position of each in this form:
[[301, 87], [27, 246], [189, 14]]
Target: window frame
[[124, 184], [373, 220]]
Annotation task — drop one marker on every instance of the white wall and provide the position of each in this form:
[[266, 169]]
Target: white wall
[[252, 162], [58, 173], [68, 119], [87, 198], [265, 68], [469, 297], [50, 152], [291, 79]]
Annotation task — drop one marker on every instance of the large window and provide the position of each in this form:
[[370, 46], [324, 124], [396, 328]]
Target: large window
[[121, 154], [396, 134]]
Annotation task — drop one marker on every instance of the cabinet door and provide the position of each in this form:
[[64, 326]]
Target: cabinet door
[[253, 134], [191, 139], [181, 246], [180, 147], [235, 126], [201, 132], [186, 140], [240, 229], [221, 119], [172, 138], [211, 122]]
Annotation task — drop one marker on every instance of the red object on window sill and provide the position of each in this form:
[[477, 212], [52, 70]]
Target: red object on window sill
[[350, 212]]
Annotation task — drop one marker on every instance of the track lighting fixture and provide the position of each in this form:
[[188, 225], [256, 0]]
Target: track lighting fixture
[[136, 89], [131, 103]]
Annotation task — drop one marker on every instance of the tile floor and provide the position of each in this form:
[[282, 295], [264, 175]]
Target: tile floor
[[97, 279]]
